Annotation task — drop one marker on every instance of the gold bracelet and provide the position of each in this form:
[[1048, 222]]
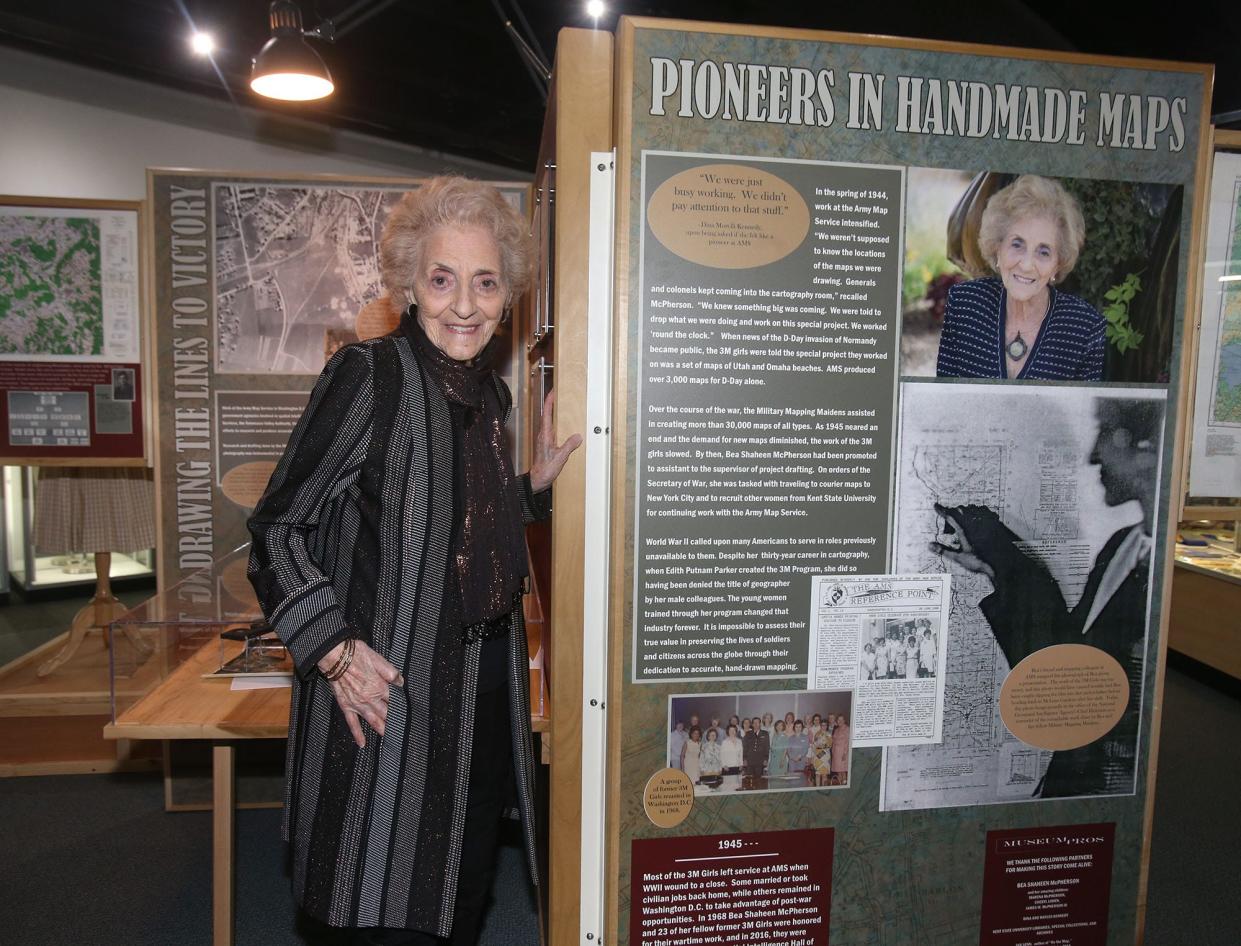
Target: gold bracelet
[[341, 667]]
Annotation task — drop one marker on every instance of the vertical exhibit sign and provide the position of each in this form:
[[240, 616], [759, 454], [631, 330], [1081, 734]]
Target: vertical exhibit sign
[[901, 326], [257, 282]]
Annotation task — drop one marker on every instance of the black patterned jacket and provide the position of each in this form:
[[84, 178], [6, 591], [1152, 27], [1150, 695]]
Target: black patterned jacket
[[352, 538]]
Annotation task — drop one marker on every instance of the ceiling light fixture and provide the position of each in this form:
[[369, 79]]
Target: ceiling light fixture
[[595, 9], [286, 67], [202, 43]]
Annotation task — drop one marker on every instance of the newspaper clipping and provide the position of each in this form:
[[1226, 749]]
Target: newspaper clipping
[[883, 636]]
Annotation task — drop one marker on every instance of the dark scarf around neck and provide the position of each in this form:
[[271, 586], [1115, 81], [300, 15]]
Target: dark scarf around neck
[[488, 552]]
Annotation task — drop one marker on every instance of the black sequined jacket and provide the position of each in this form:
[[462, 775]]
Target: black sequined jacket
[[352, 538]]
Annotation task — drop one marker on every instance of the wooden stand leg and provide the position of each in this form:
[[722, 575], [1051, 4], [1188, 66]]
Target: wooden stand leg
[[103, 609], [223, 843]]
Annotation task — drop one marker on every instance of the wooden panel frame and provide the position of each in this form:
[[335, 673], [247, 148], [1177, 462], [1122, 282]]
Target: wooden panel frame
[[579, 121], [145, 360], [622, 491]]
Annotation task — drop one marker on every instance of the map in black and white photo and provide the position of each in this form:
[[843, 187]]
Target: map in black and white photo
[[1024, 453], [293, 267]]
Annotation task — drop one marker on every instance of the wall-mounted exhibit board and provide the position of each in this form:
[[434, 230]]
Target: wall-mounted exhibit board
[[1215, 457], [906, 513], [554, 333], [257, 280], [72, 334]]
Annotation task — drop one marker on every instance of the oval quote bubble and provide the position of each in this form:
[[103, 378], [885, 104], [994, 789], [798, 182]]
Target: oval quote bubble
[[668, 798], [1064, 696], [244, 484], [728, 216]]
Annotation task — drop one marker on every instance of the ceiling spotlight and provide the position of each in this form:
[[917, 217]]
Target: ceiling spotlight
[[286, 67], [595, 8], [202, 43]]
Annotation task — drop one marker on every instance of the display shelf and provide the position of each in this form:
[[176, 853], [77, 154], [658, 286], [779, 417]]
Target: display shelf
[[1206, 596]]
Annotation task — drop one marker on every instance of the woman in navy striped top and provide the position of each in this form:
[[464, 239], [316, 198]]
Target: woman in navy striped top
[[1019, 325]]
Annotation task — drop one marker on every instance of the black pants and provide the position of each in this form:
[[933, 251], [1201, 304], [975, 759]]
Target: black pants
[[491, 762]]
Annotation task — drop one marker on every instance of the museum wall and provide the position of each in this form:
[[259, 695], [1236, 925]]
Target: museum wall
[[70, 131]]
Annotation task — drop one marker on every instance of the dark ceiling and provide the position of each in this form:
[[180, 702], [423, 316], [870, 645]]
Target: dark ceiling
[[446, 76]]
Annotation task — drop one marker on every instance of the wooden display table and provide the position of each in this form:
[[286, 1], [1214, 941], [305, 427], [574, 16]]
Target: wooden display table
[[182, 627], [186, 706], [1206, 598]]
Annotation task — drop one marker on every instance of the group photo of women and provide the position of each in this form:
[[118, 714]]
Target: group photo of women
[[1031, 278], [748, 742], [894, 649]]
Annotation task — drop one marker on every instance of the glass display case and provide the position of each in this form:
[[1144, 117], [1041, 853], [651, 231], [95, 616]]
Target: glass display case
[[32, 571], [179, 629]]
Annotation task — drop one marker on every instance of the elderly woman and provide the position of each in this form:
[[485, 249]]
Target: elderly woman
[[389, 556], [1016, 324]]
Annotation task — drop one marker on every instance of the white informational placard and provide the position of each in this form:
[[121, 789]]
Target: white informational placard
[[1215, 458], [884, 637]]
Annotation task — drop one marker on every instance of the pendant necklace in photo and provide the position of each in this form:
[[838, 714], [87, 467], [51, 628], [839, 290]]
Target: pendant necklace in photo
[[1017, 348]]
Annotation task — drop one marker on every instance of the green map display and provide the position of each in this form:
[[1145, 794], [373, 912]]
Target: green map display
[[1227, 407], [51, 296]]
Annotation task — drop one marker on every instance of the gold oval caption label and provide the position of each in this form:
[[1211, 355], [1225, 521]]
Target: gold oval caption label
[[1064, 696], [244, 484], [668, 798], [728, 216]]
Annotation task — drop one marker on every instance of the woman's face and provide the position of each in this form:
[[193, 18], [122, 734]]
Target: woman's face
[[1028, 257], [460, 290], [712, 735]]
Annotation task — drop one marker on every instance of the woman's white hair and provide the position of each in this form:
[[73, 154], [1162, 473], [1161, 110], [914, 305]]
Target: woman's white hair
[[453, 202], [1033, 196]]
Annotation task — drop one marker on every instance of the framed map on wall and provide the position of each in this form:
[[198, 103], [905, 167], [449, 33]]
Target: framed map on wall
[[71, 332]]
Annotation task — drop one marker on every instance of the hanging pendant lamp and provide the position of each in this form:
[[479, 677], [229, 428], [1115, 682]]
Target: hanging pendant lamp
[[286, 67]]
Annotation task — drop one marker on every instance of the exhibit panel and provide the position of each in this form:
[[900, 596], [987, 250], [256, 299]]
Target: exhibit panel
[[257, 281], [897, 417], [72, 333]]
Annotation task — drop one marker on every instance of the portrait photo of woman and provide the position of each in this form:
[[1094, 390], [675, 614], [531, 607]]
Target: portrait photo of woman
[[1028, 277], [1016, 324]]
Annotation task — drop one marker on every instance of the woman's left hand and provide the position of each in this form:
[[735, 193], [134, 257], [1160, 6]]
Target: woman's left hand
[[550, 459]]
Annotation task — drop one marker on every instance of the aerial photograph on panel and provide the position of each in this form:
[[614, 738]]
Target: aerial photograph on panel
[[294, 264]]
